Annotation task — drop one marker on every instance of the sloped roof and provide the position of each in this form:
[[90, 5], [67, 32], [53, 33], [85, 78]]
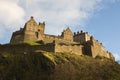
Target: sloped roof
[[32, 20]]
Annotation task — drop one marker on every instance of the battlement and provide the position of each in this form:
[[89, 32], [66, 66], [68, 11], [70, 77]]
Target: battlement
[[81, 37], [79, 33], [42, 23], [96, 42]]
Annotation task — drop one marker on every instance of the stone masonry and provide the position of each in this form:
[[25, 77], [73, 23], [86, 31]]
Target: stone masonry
[[80, 43]]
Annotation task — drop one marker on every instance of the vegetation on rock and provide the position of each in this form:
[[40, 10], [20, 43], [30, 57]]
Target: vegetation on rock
[[56, 66]]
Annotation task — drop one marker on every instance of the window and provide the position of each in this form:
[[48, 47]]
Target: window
[[38, 30]]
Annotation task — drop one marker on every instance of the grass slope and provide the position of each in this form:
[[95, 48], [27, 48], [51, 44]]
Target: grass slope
[[56, 66]]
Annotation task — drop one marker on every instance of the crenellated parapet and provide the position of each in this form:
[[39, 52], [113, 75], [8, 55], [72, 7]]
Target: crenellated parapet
[[95, 48], [81, 37]]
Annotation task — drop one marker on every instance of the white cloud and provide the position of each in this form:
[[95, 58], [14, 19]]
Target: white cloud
[[10, 12], [57, 14]]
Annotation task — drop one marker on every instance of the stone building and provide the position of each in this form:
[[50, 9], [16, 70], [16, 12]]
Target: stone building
[[80, 43]]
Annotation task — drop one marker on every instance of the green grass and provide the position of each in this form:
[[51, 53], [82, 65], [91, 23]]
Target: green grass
[[41, 65], [28, 43], [58, 58], [32, 43]]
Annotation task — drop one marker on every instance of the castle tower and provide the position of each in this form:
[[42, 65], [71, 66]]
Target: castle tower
[[81, 37], [67, 35], [41, 27], [31, 25], [40, 31], [31, 32], [34, 32]]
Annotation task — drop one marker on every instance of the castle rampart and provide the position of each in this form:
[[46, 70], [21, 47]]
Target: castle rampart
[[96, 48], [67, 47]]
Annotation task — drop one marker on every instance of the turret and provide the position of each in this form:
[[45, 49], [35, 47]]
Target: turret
[[41, 27]]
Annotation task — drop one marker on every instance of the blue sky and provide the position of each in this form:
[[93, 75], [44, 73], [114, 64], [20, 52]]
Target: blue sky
[[98, 17], [105, 26]]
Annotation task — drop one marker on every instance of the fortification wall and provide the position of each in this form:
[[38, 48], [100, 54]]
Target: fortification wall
[[82, 37], [87, 48], [41, 27], [30, 36], [26, 48], [67, 35], [51, 38], [94, 48], [98, 49], [17, 36], [75, 49], [111, 56]]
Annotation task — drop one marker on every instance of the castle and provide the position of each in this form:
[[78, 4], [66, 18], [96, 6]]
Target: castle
[[80, 43]]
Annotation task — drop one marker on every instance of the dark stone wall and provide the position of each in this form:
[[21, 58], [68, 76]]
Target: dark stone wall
[[17, 37], [87, 49], [26, 48], [30, 36]]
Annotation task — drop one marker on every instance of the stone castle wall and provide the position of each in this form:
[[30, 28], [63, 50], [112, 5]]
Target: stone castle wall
[[71, 48], [81, 37], [50, 38], [20, 48], [17, 36], [50, 47], [67, 35], [35, 32], [30, 36], [94, 48], [66, 42]]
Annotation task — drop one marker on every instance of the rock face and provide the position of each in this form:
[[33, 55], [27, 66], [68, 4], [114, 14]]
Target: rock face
[[56, 66], [80, 43]]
